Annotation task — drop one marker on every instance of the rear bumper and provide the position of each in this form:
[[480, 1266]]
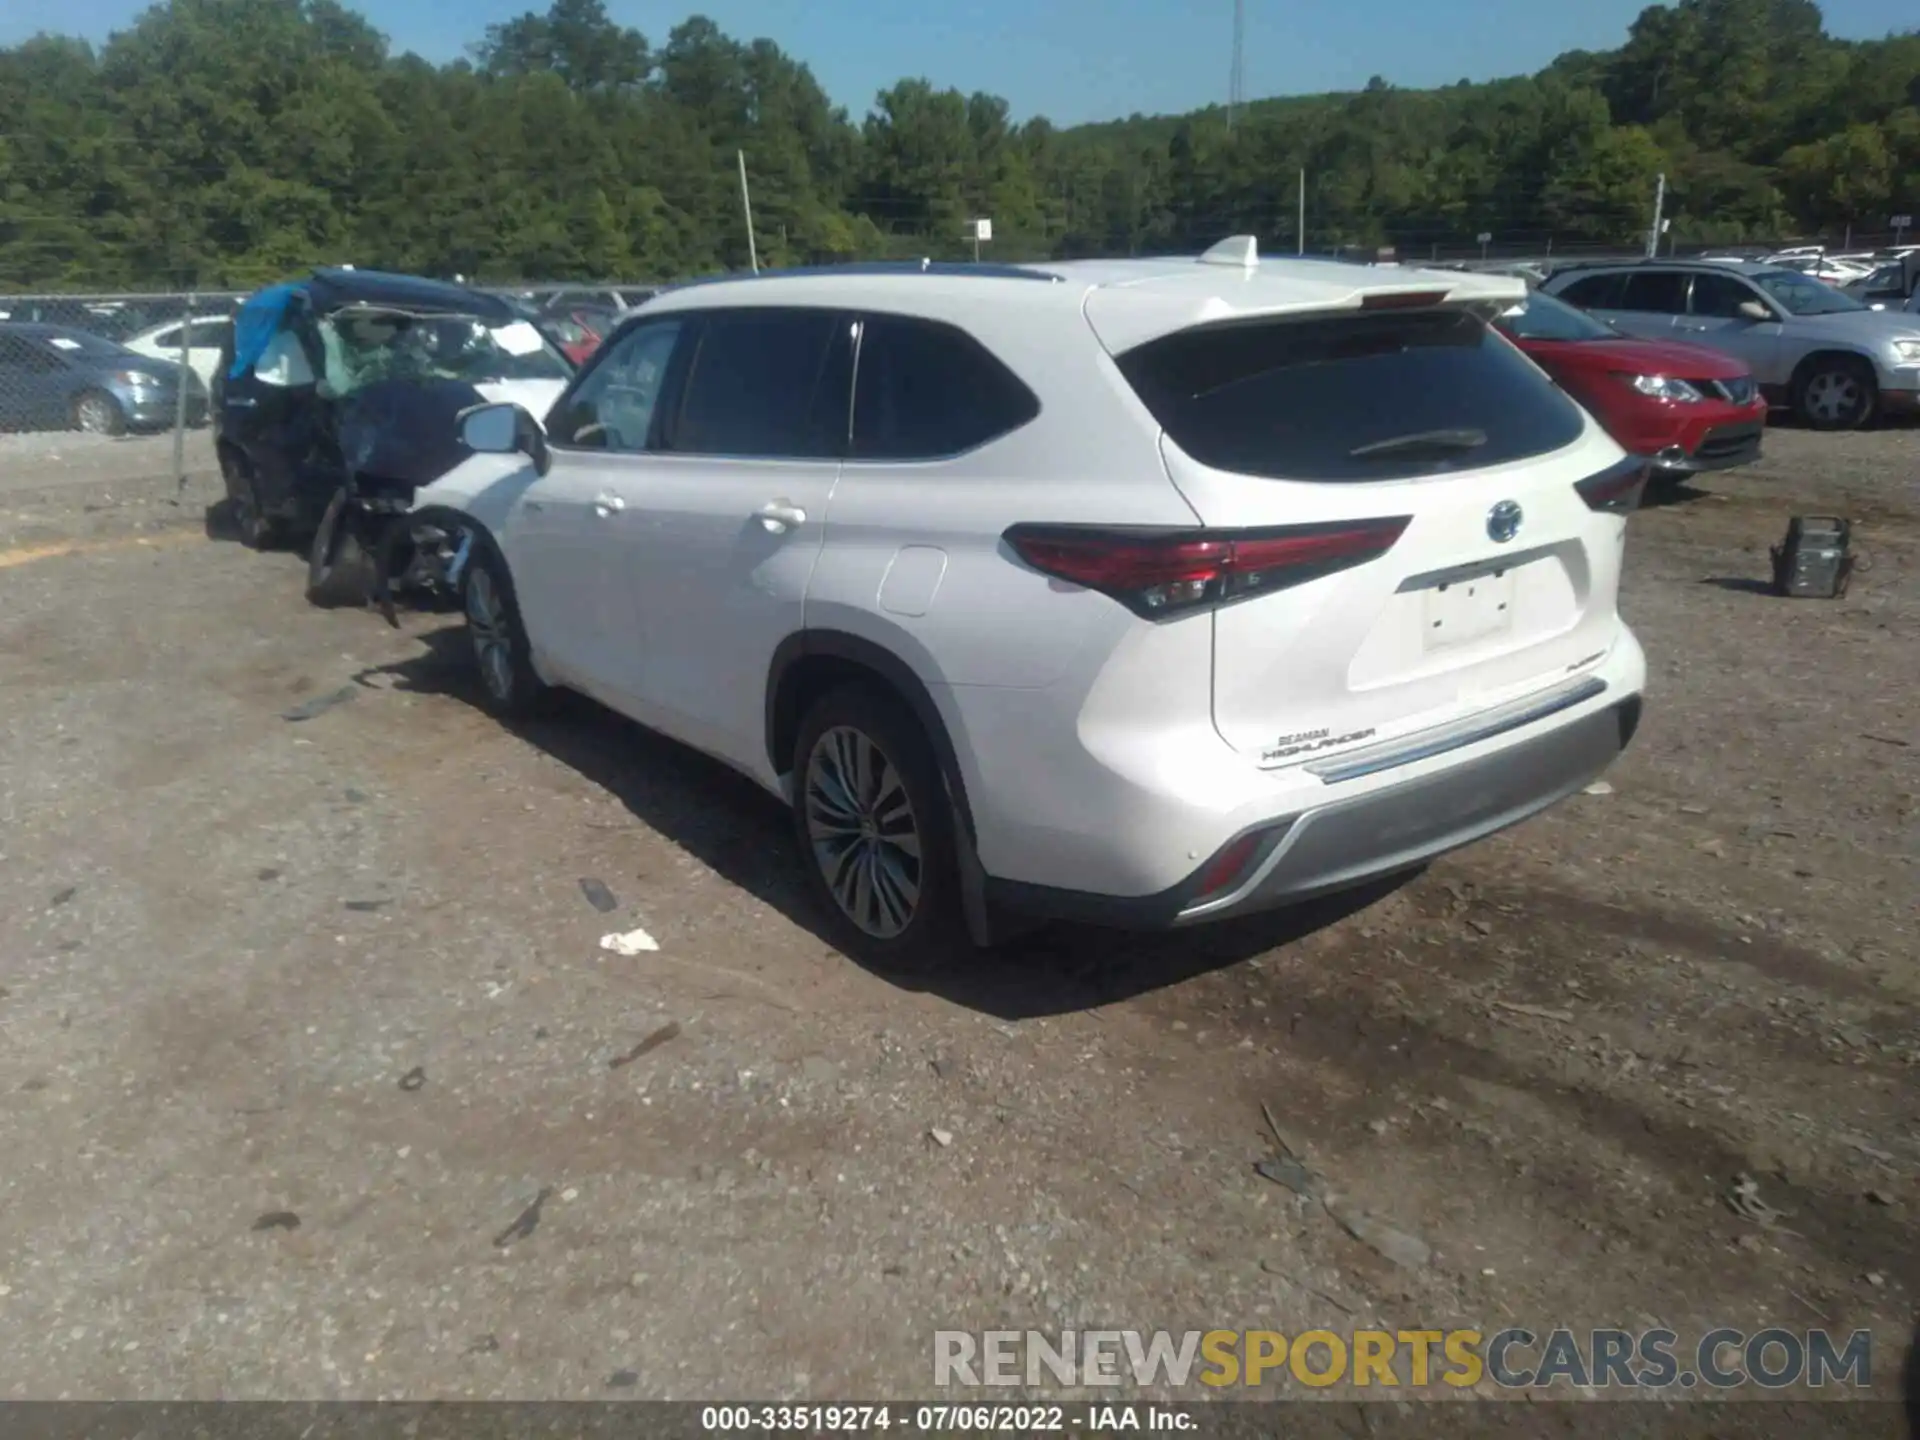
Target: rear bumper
[[1386, 829]]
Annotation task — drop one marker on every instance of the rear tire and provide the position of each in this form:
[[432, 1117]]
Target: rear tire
[[509, 686], [1835, 393], [876, 834], [339, 569], [97, 413]]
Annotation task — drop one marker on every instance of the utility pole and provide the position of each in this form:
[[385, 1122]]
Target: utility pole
[[746, 208], [1301, 234], [1237, 81], [1659, 205]]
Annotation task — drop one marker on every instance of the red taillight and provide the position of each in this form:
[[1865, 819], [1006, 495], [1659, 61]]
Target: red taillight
[[1160, 572], [1616, 490]]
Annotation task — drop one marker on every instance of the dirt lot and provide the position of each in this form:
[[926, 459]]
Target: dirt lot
[[342, 969]]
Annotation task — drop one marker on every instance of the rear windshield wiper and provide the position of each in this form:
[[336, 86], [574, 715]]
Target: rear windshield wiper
[[1422, 440]]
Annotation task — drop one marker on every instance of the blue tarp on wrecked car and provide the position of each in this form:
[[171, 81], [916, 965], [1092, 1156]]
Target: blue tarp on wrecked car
[[254, 326]]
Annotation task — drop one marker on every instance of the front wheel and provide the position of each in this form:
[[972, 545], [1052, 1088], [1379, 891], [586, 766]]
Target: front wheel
[[97, 413], [339, 569], [1836, 394], [875, 830], [508, 681]]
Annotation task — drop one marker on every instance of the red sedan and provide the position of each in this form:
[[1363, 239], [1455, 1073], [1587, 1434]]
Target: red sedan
[[579, 331], [1687, 407]]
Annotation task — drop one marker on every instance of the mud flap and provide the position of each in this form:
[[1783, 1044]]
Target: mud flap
[[985, 928]]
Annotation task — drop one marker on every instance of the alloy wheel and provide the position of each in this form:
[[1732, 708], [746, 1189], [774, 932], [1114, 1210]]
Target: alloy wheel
[[95, 414], [1834, 396], [863, 832], [487, 622]]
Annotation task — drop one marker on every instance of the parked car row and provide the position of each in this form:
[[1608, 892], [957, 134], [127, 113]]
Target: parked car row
[[1822, 353], [1094, 591], [56, 377]]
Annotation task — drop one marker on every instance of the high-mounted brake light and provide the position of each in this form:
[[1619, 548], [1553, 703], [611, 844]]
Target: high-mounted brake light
[[1160, 573], [1616, 490], [1402, 299]]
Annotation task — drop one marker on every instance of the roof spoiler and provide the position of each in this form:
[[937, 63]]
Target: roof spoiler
[[1242, 252]]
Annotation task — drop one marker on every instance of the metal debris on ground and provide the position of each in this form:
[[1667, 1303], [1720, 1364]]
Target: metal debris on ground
[[1407, 1251], [632, 942], [599, 896], [320, 704], [413, 1079], [942, 1138], [526, 1222], [653, 1042], [1743, 1198], [278, 1220], [1288, 1170], [1886, 739], [1291, 1173]]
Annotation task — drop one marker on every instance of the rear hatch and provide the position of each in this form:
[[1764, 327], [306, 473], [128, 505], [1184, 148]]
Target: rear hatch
[[1465, 516]]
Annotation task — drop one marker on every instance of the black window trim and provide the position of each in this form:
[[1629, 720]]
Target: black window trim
[[860, 319]]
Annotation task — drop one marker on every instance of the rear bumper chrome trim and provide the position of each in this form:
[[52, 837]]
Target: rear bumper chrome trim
[[1390, 754]]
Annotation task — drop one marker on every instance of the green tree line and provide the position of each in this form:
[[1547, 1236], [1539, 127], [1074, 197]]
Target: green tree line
[[225, 142]]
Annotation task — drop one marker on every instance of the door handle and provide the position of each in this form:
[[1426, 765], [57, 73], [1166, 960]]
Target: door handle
[[240, 403], [777, 517], [607, 503]]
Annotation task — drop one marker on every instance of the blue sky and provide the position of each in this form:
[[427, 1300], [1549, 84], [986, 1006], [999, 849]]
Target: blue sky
[[1071, 60]]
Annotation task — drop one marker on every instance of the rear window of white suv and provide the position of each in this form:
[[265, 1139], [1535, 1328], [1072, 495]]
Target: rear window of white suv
[[1386, 396]]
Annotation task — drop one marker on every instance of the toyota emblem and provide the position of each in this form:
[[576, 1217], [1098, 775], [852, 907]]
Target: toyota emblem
[[1503, 522]]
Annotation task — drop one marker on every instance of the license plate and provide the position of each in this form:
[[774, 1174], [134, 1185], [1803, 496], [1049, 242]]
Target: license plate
[[1459, 612]]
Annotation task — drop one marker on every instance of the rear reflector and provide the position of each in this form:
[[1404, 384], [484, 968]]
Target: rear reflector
[[1226, 868], [1616, 490], [1402, 300], [1157, 573]]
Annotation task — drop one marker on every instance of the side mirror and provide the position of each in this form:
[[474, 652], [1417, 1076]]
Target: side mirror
[[505, 430], [1754, 310]]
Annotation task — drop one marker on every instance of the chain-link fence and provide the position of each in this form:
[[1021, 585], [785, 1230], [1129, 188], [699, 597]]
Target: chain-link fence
[[108, 387]]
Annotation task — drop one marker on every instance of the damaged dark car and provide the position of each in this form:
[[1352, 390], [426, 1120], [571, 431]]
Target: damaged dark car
[[337, 399]]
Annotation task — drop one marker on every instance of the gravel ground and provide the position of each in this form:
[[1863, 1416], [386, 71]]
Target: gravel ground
[[300, 1018], [56, 460]]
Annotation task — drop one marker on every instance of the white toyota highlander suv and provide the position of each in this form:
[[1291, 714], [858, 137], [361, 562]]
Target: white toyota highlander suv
[[1138, 592]]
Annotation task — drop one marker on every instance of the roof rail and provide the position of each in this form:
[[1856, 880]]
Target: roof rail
[[988, 271]]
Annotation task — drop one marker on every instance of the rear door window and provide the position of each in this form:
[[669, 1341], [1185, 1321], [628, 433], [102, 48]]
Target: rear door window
[[1656, 292], [927, 391], [765, 384], [1386, 396], [1720, 296], [1595, 292]]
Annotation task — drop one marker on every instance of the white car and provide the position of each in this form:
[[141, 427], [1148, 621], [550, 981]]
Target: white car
[[204, 337], [1143, 592]]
